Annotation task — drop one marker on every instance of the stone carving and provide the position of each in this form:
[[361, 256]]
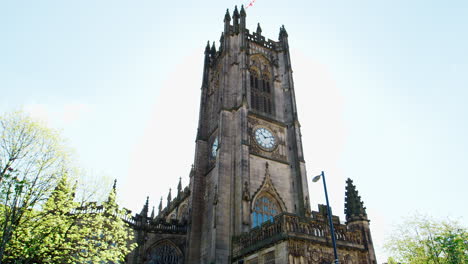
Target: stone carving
[[296, 248], [245, 192], [268, 187]]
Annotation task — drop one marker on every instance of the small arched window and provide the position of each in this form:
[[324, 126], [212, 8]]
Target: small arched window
[[264, 210]]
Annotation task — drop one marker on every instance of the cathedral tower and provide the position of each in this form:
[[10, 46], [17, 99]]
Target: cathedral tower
[[247, 201], [249, 164]]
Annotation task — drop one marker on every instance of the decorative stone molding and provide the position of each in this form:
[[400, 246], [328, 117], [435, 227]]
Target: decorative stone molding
[[268, 187]]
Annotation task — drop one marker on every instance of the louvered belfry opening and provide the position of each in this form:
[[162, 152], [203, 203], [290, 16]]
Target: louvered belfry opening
[[261, 92]]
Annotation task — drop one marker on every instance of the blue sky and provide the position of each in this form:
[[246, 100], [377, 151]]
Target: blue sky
[[381, 89]]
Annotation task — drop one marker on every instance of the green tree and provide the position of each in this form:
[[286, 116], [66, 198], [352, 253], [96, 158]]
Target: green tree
[[32, 160], [111, 237], [62, 232], [40, 218], [48, 232], [424, 240]]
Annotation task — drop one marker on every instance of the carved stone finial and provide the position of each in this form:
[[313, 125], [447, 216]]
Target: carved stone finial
[[152, 213], [179, 187], [144, 211], [242, 11], [169, 197], [160, 205], [283, 33], [236, 13], [227, 17], [213, 49], [259, 29], [207, 48]]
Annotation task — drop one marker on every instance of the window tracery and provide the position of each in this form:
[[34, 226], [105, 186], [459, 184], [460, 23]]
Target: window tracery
[[265, 209], [164, 253], [261, 96]]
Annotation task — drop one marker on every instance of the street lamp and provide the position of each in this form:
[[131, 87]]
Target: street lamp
[[332, 230]]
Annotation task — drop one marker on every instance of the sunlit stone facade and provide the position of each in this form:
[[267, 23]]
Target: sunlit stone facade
[[247, 200]]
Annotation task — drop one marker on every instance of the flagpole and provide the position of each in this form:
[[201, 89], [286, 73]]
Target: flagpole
[[332, 229]]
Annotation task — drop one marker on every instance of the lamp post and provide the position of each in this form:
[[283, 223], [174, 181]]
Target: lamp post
[[332, 229]]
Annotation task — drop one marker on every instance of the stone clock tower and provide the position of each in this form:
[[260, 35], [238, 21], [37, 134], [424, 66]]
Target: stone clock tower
[[247, 201], [248, 148]]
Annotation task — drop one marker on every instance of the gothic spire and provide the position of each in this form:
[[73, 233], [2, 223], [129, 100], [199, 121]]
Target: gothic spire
[[207, 48], [354, 207], [144, 211], [213, 49], [179, 187], [160, 206], [169, 197], [152, 213], [115, 185]]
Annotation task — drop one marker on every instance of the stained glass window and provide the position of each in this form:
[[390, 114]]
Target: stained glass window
[[264, 210]]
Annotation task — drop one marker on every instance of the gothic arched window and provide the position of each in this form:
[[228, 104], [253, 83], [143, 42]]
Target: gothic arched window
[[261, 96], [265, 209], [164, 253]]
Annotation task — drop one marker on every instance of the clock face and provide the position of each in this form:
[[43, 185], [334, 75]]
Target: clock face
[[265, 138], [214, 148]]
